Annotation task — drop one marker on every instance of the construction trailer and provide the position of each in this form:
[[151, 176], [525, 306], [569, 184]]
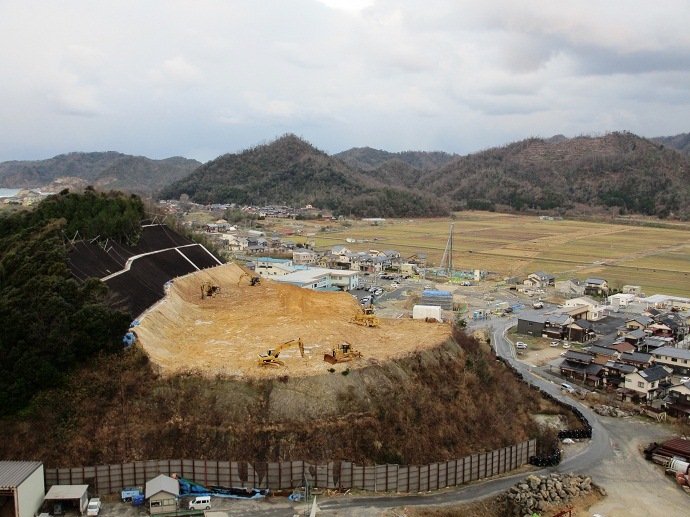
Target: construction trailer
[[427, 312]]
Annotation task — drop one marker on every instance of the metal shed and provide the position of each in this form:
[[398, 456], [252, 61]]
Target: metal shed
[[21, 488], [69, 496]]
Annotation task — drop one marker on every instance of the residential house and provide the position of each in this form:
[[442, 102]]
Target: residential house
[[531, 325], [615, 372], [652, 343], [603, 354], [638, 359], [556, 326], [678, 401], [635, 337], [340, 250], [581, 331], [652, 313], [580, 366], [639, 323], [646, 385], [677, 359], [572, 287], [623, 347], [594, 310], [539, 279], [596, 287], [304, 257]]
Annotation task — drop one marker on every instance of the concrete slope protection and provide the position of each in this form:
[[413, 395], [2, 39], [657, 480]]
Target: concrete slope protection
[[136, 275]]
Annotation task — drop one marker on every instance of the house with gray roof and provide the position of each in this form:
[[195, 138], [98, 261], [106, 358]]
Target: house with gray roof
[[531, 325], [677, 359], [646, 385], [596, 287], [161, 493]]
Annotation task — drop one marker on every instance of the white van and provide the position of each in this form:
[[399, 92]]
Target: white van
[[202, 502]]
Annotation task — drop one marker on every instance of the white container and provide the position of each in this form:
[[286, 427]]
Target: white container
[[422, 312]]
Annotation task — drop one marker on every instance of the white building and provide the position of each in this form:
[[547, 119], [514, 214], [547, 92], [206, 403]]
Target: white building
[[22, 488], [321, 278], [270, 267]]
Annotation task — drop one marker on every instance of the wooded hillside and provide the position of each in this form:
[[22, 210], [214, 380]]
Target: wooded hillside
[[50, 324], [289, 171]]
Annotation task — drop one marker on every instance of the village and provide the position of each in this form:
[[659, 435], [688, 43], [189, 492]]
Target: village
[[632, 346]]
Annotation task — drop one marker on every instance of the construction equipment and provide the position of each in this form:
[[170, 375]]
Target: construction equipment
[[208, 289], [253, 279], [270, 358], [342, 354], [365, 316]]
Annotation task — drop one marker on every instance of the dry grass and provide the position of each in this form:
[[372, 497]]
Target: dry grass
[[652, 257]]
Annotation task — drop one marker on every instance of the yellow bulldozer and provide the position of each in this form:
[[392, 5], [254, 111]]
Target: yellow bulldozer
[[342, 354], [208, 289], [253, 279], [270, 358], [365, 316]]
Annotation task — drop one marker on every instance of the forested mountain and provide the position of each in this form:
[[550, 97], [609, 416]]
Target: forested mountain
[[292, 172], [50, 324], [619, 171], [679, 142], [366, 158], [107, 170]]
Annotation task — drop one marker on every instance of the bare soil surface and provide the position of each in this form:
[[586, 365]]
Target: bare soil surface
[[224, 335]]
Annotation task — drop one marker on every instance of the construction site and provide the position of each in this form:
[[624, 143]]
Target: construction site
[[224, 331]]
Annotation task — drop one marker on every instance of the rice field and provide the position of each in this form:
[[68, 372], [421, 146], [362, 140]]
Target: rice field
[[658, 259]]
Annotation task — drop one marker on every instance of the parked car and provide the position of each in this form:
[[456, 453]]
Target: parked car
[[202, 502], [554, 343], [566, 344], [94, 506], [395, 285], [567, 387], [683, 380], [378, 292], [520, 345]]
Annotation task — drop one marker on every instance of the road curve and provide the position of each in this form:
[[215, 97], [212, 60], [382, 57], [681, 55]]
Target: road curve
[[598, 449]]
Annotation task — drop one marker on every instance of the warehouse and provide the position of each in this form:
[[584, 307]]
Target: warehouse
[[21, 488]]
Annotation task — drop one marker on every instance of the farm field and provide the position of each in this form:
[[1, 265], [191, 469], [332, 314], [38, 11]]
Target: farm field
[[657, 259]]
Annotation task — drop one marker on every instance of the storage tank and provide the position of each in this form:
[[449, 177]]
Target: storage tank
[[678, 465]]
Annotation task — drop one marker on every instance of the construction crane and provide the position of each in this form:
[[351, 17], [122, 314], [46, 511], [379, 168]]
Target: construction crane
[[253, 279], [365, 316], [208, 289], [270, 358], [344, 353]]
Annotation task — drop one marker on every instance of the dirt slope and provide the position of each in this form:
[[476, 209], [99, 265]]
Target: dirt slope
[[223, 335]]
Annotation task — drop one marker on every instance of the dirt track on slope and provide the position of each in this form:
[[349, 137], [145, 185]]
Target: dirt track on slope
[[223, 335]]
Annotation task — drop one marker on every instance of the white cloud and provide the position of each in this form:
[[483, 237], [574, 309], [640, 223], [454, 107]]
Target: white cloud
[[160, 77]]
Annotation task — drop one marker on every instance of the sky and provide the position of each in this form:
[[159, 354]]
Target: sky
[[201, 78]]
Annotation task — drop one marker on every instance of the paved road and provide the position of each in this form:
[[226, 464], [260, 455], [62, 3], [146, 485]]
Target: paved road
[[599, 448]]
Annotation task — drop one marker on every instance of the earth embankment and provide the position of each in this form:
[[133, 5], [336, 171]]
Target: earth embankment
[[224, 334]]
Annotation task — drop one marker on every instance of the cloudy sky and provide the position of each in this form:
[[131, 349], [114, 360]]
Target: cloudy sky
[[199, 78]]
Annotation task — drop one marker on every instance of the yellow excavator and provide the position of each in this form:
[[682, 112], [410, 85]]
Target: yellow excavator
[[208, 289], [365, 316], [342, 354], [270, 358], [253, 279]]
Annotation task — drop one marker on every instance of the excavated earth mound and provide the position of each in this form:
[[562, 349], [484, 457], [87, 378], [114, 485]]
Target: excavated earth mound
[[223, 335]]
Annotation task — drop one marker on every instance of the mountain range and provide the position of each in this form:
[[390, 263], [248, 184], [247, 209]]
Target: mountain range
[[616, 173]]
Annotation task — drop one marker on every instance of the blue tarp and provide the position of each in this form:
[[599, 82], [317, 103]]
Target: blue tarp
[[436, 293]]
